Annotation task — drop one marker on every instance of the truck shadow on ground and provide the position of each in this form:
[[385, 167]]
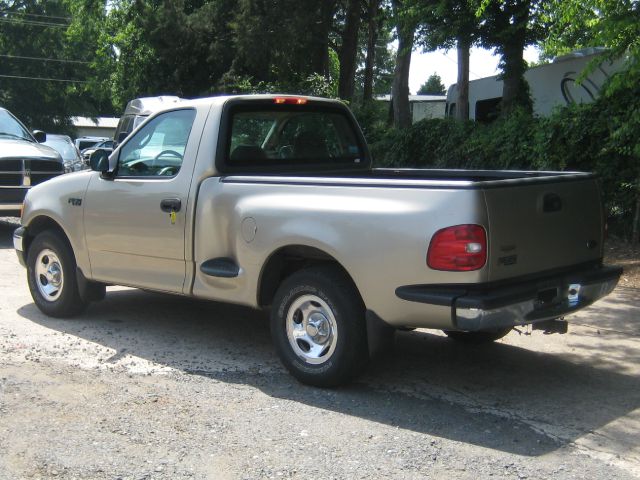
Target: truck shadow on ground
[[499, 396]]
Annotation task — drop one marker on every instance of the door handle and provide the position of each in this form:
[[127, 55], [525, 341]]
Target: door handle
[[170, 205]]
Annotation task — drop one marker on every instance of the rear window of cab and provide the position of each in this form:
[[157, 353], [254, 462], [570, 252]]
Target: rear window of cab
[[265, 135]]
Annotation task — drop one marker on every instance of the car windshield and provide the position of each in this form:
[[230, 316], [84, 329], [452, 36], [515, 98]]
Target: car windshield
[[105, 144], [10, 127], [62, 146]]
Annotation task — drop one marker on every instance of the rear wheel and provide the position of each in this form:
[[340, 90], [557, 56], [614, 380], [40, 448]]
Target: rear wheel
[[318, 327], [51, 274], [478, 338]]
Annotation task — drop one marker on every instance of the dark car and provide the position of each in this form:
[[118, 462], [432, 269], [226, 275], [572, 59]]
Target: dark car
[[23, 162]]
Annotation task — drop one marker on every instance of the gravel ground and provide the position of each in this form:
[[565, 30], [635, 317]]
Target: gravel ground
[[146, 386]]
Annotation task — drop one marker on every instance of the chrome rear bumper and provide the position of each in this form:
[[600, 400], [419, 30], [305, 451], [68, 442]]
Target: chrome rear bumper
[[490, 306]]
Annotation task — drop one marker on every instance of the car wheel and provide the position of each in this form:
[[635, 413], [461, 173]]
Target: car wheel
[[51, 273], [318, 327], [477, 338]]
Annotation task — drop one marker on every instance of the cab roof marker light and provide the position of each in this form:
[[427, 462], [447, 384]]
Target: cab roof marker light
[[289, 101]]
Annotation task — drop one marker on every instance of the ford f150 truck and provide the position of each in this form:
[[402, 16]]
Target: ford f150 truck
[[271, 202]]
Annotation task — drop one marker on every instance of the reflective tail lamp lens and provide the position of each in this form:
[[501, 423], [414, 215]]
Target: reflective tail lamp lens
[[460, 248]]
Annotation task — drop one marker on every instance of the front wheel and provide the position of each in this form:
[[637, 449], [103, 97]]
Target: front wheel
[[318, 327], [51, 274]]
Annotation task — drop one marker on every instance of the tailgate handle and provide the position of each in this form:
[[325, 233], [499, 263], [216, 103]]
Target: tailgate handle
[[551, 203]]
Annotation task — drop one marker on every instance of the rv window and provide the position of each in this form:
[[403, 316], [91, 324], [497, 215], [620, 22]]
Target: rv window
[[452, 110], [488, 110]]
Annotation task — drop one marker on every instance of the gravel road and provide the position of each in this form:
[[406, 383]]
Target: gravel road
[[146, 386]]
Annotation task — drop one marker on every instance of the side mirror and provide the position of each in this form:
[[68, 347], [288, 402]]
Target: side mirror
[[40, 136], [99, 161]]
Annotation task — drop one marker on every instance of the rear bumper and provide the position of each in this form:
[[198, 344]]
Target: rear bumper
[[490, 306]]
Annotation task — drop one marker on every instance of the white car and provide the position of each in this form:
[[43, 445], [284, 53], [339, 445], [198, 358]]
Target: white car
[[66, 148]]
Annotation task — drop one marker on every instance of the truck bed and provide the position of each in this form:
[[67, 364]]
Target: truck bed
[[535, 221]]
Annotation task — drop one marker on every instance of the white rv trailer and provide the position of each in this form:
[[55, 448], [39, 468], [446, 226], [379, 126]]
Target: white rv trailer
[[551, 85]]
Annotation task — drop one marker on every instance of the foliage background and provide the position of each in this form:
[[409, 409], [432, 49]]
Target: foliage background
[[99, 54]]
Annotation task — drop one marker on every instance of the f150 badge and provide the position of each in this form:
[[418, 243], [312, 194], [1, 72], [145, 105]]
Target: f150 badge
[[508, 260], [76, 202]]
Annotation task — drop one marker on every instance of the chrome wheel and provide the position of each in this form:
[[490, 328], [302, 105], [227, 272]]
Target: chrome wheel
[[311, 329], [48, 275]]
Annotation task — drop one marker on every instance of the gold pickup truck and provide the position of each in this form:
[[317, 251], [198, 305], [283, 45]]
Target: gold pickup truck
[[271, 201]]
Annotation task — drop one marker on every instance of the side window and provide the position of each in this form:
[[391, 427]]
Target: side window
[[158, 149], [452, 110], [488, 110]]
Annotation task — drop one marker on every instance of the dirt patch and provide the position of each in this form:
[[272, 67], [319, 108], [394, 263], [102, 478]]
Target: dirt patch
[[627, 255]]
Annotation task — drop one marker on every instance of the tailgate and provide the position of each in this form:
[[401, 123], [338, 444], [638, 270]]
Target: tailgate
[[543, 226]]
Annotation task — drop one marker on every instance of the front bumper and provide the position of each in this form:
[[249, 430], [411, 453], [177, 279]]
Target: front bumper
[[490, 306], [18, 244], [11, 199]]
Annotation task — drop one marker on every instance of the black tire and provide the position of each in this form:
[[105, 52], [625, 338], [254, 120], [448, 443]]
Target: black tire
[[477, 338], [324, 301], [51, 273]]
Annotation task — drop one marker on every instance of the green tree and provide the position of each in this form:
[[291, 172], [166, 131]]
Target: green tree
[[451, 24], [433, 86], [374, 18], [509, 26], [376, 57], [615, 25], [42, 76], [406, 24], [348, 49], [282, 42]]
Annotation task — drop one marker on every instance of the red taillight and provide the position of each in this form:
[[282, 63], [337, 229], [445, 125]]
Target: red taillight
[[290, 100], [458, 249]]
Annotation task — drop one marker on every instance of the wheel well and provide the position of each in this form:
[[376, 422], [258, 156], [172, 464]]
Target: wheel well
[[287, 260], [39, 225]]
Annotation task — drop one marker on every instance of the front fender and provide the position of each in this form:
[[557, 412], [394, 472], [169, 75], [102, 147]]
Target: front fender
[[60, 200]]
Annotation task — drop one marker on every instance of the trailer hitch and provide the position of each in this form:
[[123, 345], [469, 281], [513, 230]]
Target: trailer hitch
[[556, 325]]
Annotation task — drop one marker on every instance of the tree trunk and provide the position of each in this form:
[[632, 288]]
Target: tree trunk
[[400, 87], [635, 230], [515, 90], [462, 102], [372, 39], [349, 51], [320, 48]]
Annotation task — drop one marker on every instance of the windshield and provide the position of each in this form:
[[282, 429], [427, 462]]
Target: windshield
[[10, 127]]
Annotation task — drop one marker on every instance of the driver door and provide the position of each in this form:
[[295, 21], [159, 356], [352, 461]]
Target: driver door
[[132, 236]]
